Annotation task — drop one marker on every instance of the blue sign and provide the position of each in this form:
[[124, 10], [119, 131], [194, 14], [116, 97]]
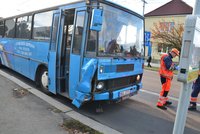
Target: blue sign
[[147, 36]]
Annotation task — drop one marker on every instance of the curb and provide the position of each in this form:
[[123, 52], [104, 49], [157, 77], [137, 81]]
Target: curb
[[65, 109]]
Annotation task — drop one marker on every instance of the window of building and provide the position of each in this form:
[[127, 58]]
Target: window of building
[[10, 28], [23, 27], [42, 26], [166, 26]]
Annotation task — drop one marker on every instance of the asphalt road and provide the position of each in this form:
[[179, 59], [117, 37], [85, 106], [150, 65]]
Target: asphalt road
[[139, 114], [151, 82]]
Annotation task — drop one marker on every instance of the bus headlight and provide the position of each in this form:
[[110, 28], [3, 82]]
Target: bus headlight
[[138, 77], [101, 69], [100, 86]]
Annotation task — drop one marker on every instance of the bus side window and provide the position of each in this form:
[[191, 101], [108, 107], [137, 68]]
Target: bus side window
[[92, 41], [23, 27], [54, 33], [10, 28], [69, 36], [1, 28], [42, 25], [78, 32]]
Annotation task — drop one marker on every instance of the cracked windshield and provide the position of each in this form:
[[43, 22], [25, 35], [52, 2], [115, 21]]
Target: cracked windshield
[[121, 34]]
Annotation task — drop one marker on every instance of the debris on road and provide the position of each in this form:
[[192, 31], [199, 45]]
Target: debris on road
[[20, 92]]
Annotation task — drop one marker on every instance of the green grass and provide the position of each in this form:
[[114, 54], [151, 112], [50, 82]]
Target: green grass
[[151, 68], [156, 69], [75, 127]]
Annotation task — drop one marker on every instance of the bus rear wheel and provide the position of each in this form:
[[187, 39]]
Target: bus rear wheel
[[43, 79]]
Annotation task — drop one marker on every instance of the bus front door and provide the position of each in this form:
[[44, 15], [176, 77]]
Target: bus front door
[[67, 24], [81, 74], [53, 54], [76, 55], [59, 55]]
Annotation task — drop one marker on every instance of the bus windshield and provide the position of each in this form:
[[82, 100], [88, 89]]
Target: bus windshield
[[121, 34]]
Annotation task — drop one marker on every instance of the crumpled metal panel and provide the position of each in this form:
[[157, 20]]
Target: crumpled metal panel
[[83, 89]]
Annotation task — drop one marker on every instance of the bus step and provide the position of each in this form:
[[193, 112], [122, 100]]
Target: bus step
[[65, 94]]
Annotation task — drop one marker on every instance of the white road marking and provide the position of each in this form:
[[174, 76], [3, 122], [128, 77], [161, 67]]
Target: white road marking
[[157, 94]]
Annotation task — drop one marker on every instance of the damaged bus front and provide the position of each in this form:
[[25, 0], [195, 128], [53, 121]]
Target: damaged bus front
[[113, 57]]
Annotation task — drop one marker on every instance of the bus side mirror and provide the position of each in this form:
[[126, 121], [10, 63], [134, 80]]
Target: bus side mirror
[[96, 21]]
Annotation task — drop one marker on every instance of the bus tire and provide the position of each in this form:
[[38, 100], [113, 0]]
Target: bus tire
[[43, 79]]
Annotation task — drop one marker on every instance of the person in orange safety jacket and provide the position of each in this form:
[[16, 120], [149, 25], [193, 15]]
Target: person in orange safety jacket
[[194, 95], [166, 75]]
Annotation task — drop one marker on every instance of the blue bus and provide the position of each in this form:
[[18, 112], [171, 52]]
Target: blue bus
[[89, 50]]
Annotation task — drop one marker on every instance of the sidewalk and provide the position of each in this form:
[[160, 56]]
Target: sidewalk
[[28, 111]]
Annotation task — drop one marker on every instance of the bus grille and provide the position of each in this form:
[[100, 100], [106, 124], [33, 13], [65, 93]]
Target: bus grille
[[119, 83], [125, 68]]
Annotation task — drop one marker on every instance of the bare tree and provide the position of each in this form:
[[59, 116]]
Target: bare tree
[[168, 34]]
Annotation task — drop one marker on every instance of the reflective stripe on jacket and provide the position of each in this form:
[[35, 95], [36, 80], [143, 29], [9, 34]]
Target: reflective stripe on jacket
[[163, 70]]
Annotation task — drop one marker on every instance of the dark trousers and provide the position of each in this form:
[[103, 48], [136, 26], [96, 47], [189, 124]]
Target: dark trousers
[[196, 91]]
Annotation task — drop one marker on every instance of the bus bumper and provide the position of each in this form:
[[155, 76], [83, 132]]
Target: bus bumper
[[118, 94]]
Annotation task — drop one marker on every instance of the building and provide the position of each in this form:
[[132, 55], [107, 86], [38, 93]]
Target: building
[[173, 12]]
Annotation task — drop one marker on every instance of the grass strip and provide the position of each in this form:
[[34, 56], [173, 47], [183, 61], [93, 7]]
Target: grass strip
[[76, 127]]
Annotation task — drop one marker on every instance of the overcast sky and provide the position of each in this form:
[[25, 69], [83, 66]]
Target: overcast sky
[[14, 7]]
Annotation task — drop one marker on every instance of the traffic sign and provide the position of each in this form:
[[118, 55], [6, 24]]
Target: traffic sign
[[147, 37]]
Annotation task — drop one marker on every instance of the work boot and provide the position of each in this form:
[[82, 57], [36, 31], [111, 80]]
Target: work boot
[[192, 107], [167, 103], [162, 107]]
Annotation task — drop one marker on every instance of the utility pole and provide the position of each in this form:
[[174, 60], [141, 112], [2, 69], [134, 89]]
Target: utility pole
[[144, 2], [189, 66]]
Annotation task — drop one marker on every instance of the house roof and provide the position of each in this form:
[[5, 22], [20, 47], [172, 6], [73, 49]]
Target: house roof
[[174, 7]]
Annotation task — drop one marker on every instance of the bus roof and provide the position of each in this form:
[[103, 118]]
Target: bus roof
[[133, 5], [45, 9], [112, 2], [116, 3]]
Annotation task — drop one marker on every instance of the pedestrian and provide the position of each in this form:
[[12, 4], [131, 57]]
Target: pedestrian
[[166, 75], [195, 93], [149, 61]]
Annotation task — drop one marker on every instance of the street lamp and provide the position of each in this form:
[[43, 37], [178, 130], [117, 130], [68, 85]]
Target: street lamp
[[144, 2]]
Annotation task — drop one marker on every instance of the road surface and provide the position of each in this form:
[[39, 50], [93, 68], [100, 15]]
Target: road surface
[[139, 113]]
